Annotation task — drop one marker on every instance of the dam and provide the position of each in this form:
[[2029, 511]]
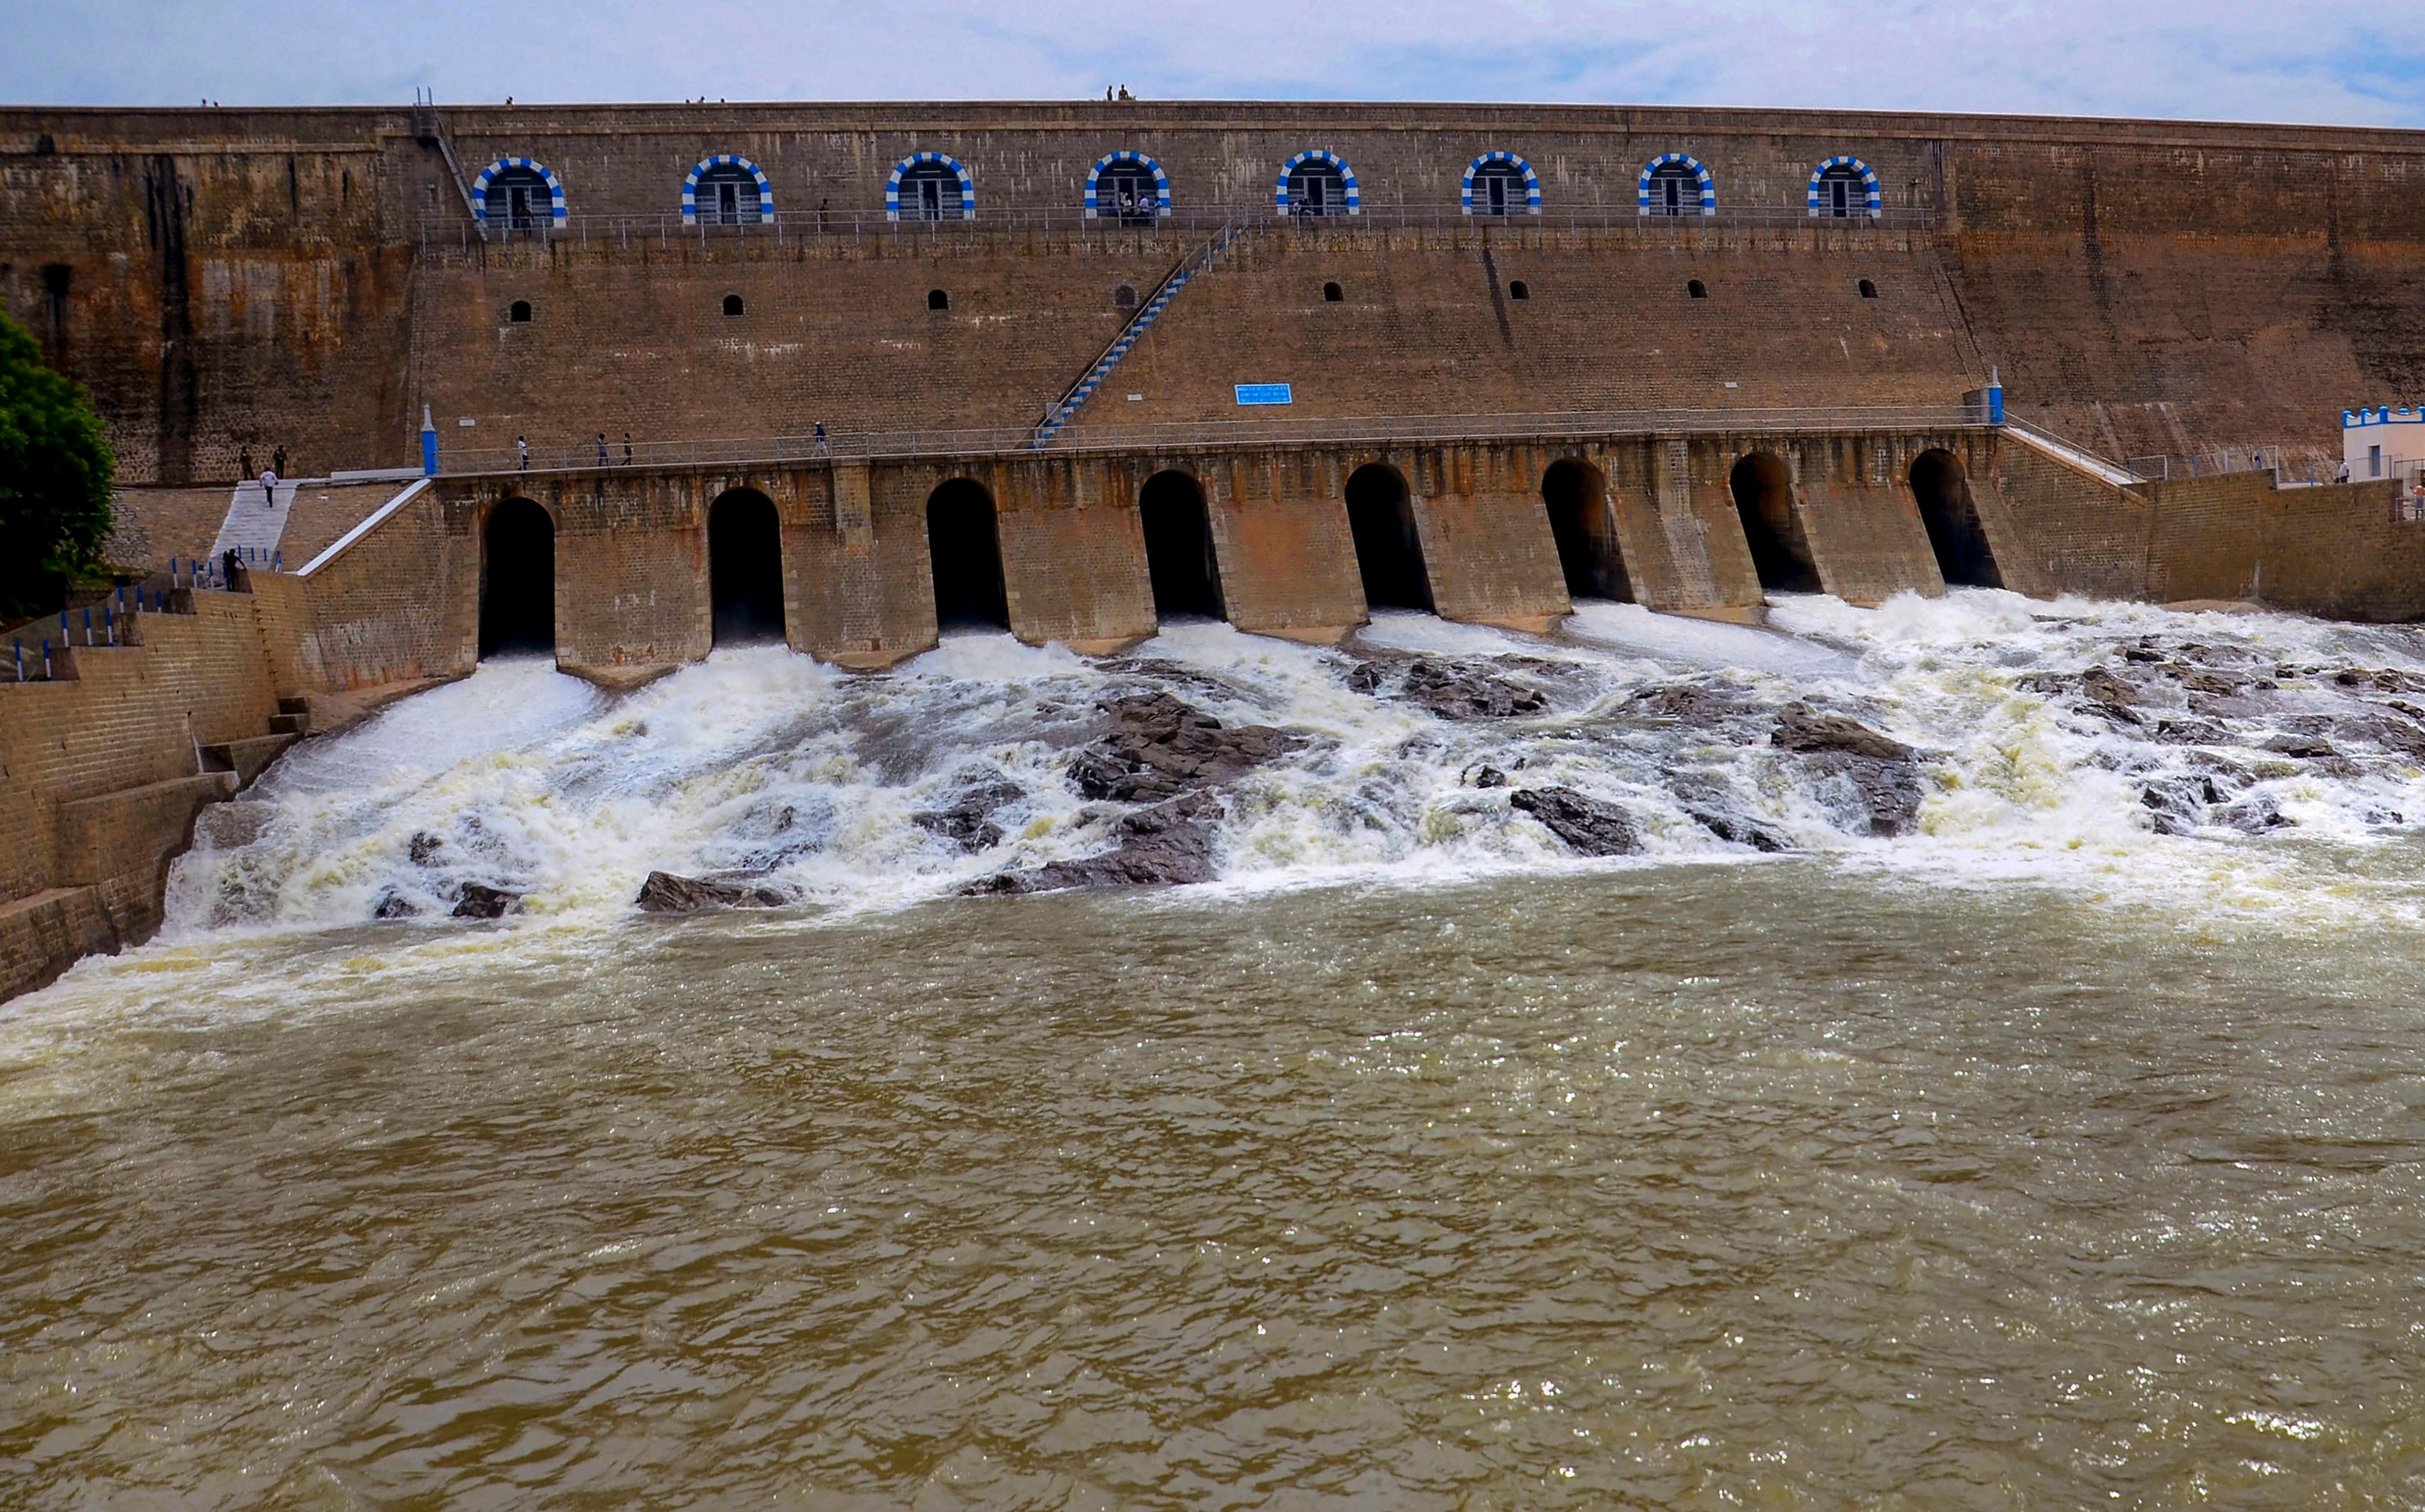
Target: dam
[[1128, 803]]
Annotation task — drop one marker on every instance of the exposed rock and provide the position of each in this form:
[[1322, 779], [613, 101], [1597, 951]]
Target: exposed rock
[[668, 892], [1686, 703], [2254, 814], [2192, 732], [1804, 729], [1157, 747], [1740, 830], [2141, 654], [1489, 776], [1170, 844], [968, 822], [2178, 804], [2300, 745], [1455, 692], [2110, 694], [423, 848], [1881, 771], [1364, 678], [1586, 825], [393, 906], [475, 901]]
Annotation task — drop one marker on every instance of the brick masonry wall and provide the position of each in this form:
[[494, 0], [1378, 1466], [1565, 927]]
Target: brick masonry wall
[[132, 718], [284, 276]]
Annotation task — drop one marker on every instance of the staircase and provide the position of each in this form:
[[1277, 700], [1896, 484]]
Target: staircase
[[245, 758], [1147, 312], [254, 521]]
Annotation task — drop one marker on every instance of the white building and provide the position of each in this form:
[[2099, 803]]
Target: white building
[[2382, 441]]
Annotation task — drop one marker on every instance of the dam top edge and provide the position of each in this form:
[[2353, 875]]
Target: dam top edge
[[1220, 115]]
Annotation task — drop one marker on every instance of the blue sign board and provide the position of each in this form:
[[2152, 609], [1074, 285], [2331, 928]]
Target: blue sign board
[[1265, 393]]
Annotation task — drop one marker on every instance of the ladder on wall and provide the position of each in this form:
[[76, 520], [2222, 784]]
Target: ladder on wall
[[430, 131], [1147, 312]]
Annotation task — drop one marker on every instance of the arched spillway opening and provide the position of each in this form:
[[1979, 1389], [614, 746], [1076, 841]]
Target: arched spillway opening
[[1388, 550], [518, 579], [745, 569], [1763, 491], [966, 556], [1179, 546], [1942, 490], [1577, 496]]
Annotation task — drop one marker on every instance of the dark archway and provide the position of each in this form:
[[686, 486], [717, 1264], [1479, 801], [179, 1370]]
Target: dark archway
[[1763, 490], [1942, 490], [1179, 546], [518, 579], [1588, 554], [1389, 548], [745, 569], [966, 556]]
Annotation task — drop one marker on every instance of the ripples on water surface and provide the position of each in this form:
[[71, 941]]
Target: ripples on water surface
[[2033, 1160]]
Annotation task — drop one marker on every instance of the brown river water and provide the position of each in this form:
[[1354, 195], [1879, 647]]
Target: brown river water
[[2034, 1160]]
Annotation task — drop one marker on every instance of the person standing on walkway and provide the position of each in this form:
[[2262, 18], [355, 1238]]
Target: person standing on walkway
[[270, 487], [627, 448], [522, 453], [244, 461], [601, 448], [824, 447], [278, 461]]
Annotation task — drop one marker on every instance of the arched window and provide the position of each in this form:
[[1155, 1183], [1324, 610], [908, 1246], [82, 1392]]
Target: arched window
[[1129, 187], [1844, 189], [1316, 183], [725, 190], [515, 194], [1123, 296], [930, 187], [1502, 184], [1674, 185]]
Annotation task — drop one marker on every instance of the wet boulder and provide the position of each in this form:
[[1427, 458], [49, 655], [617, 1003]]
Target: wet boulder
[[1170, 844], [1455, 692], [2178, 805], [477, 901], [424, 847], [1154, 747], [1736, 829], [394, 906], [1587, 825], [669, 893], [1882, 773], [1687, 704], [969, 822]]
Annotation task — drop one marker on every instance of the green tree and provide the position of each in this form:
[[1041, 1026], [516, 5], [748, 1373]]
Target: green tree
[[55, 479]]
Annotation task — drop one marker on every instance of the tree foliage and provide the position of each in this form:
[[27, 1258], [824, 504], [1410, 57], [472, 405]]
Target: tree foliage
[[55, 479]]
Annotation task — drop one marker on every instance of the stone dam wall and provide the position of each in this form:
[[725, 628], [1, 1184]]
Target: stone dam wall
[[309, 278]]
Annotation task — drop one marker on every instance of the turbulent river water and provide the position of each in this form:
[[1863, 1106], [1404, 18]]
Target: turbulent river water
[[1961, 1054]]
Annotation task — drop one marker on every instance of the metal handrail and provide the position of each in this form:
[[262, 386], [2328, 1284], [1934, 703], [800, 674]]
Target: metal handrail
[[1200, 258], [1003, 440], [791, 223]]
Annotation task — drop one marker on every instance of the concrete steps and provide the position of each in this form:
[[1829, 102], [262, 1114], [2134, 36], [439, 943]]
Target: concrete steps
[[248, 758], [256, 524]]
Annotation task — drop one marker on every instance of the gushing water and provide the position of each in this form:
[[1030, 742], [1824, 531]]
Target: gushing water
[[2120, 749]]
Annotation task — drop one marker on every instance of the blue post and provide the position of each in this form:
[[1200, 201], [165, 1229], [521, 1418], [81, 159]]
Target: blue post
[[428, 445], [46, 657], [88, 626], [109, 623]]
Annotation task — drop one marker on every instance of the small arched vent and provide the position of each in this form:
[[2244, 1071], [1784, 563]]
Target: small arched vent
[[1123, 296], [1331, 293], [1698, 289], [1519, 290], [1869, 290], [518, 312], [938, 299], [733, 305]]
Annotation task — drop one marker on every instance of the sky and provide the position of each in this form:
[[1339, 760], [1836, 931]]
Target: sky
[[2289, 60]]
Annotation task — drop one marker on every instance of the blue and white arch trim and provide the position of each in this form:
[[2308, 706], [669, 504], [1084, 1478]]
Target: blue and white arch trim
[[555, 189], [1161, 180], [1709, 188], [1532, 180], [690, 186], [892, 185], [1346, 178], [1868, 181]]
